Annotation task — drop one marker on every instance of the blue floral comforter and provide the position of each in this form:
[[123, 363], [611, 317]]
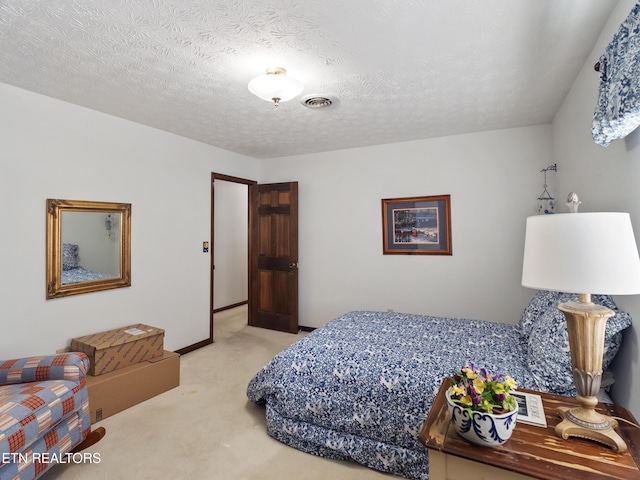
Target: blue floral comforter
[[360, 387], [79, 274]]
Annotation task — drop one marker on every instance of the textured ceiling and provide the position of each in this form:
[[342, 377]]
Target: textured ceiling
[[399, 69]]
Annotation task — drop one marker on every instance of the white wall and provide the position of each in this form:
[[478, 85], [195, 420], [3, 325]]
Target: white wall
[[53, 149], [230, 244], [493, 179], [606, 179]]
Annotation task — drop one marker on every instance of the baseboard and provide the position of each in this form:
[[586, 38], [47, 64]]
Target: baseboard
[[195, 346], [229, 307]]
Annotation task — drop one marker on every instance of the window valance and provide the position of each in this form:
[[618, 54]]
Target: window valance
[[618, 110]]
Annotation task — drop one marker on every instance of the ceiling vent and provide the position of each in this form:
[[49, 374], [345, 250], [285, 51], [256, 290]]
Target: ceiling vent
[[317, 101]]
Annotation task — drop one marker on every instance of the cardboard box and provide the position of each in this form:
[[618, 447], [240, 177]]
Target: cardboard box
[[120, 348], [118, 390]]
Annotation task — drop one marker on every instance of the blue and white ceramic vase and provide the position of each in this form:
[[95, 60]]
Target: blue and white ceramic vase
[[486, 429]]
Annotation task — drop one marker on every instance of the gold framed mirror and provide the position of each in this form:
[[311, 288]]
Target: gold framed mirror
[[88, 246]]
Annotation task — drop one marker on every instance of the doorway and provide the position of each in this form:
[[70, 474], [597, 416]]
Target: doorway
[[229, 244]]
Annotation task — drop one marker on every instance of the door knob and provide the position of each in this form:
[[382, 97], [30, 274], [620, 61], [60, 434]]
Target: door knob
[[293, 265]]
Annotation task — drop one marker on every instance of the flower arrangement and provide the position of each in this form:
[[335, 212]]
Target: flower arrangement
[[478, 390]]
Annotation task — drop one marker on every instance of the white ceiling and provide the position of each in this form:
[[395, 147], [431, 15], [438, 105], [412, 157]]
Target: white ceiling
[[399, 69]]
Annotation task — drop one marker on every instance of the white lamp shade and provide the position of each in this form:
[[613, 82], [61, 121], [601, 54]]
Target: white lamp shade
[[593, 253], [275, 85]]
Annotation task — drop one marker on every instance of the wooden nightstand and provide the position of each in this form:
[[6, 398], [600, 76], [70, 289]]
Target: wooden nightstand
[[531, 452]]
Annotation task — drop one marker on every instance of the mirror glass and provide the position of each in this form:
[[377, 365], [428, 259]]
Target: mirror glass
[[88, 246]]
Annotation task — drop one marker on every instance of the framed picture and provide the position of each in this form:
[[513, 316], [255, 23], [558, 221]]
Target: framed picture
[[416, 225], [530, 409]]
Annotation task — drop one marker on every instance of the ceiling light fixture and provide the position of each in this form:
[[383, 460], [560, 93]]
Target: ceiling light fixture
[[274, 86]]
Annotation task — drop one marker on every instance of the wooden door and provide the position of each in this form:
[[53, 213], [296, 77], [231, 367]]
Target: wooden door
[[273, 256]]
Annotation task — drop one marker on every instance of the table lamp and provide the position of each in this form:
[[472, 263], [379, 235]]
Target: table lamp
[[583, 253]]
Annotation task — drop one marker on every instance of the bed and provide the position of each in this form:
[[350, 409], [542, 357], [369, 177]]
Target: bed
[[72, 272], [360, 387], [80, 274]]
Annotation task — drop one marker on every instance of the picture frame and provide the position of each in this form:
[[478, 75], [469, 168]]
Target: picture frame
[[530, 408], [417, 225]]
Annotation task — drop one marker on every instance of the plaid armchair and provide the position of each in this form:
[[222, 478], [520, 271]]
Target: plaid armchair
[[44, 412]]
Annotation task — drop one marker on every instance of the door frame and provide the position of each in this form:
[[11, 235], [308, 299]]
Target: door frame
[[227, 178]]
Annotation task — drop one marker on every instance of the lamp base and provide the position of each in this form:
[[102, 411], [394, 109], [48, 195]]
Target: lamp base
[[603, 432], [586, 324]]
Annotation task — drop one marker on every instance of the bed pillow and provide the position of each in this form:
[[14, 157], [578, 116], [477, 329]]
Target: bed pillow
[[549, 358], [542, 302], [69, 256]]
